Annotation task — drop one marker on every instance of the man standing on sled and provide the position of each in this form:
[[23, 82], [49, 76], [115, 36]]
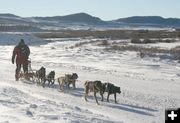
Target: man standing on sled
[[21, 52]]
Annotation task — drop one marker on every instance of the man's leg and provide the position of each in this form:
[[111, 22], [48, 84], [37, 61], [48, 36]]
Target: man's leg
[[18, 69], [25, 68]]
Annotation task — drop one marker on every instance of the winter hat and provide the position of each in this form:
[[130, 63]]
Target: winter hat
[[21, 42]]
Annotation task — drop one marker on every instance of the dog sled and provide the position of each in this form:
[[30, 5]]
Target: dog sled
[[30, 74], [38, 76]]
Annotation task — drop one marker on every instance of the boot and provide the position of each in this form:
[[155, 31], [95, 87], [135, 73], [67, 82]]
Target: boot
[[16, 77]]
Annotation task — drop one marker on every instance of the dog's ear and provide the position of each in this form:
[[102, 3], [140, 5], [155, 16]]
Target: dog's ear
[[75, 75]]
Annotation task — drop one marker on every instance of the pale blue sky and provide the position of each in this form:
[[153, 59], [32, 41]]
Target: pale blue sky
[[105, 9]]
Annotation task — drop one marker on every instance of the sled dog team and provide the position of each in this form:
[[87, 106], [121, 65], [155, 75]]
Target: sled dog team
[[65, 81], [21, 52]]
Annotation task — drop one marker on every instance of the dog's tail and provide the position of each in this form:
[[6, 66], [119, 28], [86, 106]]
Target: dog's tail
[[85, 83], [58, 80]]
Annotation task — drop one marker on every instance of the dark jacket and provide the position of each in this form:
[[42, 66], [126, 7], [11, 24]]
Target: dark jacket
[[21, 52]]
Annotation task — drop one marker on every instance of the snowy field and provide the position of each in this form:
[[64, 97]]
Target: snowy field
[[148, 86]]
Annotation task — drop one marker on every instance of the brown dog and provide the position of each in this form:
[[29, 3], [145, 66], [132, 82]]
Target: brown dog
[[67, 80], [71, 79], [94, 86]]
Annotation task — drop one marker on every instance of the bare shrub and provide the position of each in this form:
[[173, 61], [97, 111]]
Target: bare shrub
[[135, 41], [105, 42], [135, 48], [102, 43], [147, 41], [143, 41], [168, 41], [78, 45], [175, 50]]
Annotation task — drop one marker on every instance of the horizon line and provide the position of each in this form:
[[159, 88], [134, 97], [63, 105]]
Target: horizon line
[[93, 16]]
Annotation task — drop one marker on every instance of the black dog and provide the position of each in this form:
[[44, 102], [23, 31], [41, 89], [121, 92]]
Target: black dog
[[71, 79], [112, 89], [50, 78], [40, 75]]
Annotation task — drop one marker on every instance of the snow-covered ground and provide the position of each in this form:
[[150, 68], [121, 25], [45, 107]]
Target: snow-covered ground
[[149, 86]]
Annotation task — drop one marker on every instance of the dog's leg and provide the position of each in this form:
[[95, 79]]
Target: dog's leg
[[74, 85], [33, 77], [53, 82], [85, 97], [39, 81], [43, 82], [43, 85], [115, 97], [96, 98], [102, 98], [59, 84], [108, 97], [62, 86], [86, 93], [49, 82], [68, 85]]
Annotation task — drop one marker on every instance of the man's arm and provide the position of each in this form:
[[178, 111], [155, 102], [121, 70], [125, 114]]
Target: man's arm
[[28, 51], [13, 55]]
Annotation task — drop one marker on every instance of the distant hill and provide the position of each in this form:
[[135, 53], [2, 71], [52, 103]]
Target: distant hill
[[74, 18], [151, 20], [86, 21], [8, 15], [11, 22], [12, 19]]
